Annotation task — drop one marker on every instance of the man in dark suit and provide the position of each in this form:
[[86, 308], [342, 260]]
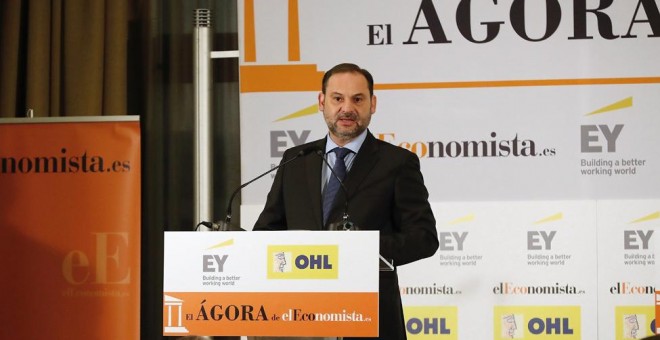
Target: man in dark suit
[[383, 182]]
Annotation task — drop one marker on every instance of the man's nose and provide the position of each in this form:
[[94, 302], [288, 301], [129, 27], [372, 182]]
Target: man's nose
[[347, 106]]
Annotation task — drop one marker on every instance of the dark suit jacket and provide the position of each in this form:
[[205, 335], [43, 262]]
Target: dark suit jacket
[[386, 192]]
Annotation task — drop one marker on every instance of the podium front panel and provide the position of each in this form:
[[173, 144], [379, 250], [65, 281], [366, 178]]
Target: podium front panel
[[293, 283]]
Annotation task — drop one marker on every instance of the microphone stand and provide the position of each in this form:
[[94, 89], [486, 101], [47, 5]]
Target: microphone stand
[[225, 225], [384, 264]]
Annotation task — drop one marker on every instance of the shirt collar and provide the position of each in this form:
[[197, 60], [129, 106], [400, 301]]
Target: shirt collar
[[353, 145]]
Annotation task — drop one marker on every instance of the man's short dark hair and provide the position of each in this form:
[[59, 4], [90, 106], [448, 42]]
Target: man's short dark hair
[[348, 68]]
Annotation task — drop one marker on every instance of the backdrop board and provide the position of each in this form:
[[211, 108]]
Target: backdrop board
[[536, 127], [70, 227]]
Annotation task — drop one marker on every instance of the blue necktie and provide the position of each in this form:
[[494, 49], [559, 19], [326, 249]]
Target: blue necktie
[[333, 184]]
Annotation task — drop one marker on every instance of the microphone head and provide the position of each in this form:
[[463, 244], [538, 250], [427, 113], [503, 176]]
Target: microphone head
[[307, 150], [348, 225], [210, 225], [343, 226], [226, 226]]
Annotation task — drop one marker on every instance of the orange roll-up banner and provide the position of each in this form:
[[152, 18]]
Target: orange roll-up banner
[[70, 228]]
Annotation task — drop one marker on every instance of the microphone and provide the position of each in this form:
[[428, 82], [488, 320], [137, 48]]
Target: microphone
[[225, 225], [217, 226], [346, 223]]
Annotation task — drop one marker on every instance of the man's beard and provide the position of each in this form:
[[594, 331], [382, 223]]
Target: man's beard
[[343, 133]]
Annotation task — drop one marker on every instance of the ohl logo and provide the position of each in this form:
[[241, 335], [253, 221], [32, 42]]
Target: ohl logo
[[529, 322], [634, 322], [431, 322], [303, 262]]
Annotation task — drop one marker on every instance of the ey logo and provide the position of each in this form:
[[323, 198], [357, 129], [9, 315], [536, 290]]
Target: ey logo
[[431, 322], [638, 238], [216, 263], [599, 138], [536, 322], [280, 140], [634, 322], [542, 239], [303, 262], [455, 240]]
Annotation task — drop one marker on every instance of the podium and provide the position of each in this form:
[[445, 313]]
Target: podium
[[272, 283]]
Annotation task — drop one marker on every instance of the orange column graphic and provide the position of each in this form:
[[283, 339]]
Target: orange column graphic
[[268, 78], [249, 49], [294, 31]]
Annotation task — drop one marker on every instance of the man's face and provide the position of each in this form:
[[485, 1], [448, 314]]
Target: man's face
[[347, 106]]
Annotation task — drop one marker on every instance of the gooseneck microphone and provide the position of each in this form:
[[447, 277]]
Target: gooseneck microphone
[[225, 224], [346, 223]]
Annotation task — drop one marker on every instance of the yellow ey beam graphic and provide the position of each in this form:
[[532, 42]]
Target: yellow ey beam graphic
[[555, 217], [310, 110], [647, 218], [621, 104], [222, 244], [463, 219]]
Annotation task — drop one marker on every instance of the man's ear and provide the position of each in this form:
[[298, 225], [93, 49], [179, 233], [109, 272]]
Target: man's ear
[[321, 99]]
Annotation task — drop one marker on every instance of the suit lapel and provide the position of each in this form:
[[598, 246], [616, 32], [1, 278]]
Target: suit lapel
[[364, 162], [313, 165]]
